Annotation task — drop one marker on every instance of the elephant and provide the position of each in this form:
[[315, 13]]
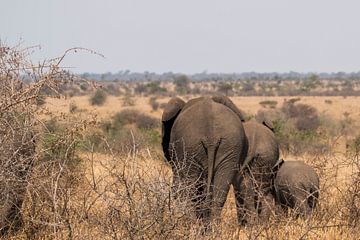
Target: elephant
[[296, 186], [204, 142], [15, 166], [253, 181]]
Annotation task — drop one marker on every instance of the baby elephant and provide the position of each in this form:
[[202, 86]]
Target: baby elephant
[[296, 186]]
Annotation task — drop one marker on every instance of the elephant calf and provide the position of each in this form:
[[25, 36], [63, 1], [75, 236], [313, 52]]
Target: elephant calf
[[253, 183], [296, 186]]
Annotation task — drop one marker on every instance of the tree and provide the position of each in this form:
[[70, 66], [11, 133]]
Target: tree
[[182, 84], [225, 88]]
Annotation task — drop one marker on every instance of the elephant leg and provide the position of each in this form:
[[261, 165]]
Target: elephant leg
[[202, 208], [261, 181], [245, 197], [313, 197], [220, 191], [301, 205], [267, 207], [266, 201]]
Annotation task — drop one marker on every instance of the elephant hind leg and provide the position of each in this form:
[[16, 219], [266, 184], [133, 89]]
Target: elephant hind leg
[[202, 207], [245, 199], [313, 197], [267, 207], [302, 207]]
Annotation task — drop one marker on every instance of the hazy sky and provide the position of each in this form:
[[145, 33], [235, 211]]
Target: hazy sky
[[191, 35]]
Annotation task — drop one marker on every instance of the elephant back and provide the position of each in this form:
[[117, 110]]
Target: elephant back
[[297, 173], [262, 143], [207, 121]]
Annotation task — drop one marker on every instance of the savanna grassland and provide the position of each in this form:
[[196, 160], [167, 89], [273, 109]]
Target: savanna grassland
[[99, 173], [330, 146]]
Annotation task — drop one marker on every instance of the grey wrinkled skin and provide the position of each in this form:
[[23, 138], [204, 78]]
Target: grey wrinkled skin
[[253, 184], [296, 186], [204, 142], [15, 167]]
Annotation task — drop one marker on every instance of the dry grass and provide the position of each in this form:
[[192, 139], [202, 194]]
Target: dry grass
[[148, 172], [129, 197], [250, 105], [74, 192]]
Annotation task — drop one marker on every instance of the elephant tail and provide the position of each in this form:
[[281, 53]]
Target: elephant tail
[[211, 150]]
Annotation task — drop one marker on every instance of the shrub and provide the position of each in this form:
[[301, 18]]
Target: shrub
[[154, 104], [128, 101], [355, 145], [27, 166], [328, 101], [163, 105], [307, 118], [84, 87], [268, 103], [248, 86], [130, 116], [225, 88], [130, 130], [40, 100], [99, 98], [297, 128], [140, 88], [112, 89], [73, 107], [182, 84], [155, 88]]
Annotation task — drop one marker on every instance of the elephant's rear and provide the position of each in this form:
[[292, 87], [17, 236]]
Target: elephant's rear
[[206, 124], [298, 186], [209, 141]]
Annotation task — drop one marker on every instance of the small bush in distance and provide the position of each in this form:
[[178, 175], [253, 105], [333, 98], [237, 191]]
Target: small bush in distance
[[328, 101], [154, 104], [307, 118], [268, 103], [99, 98], [73, 107], [128, 101], [130, 116], [40, 100]]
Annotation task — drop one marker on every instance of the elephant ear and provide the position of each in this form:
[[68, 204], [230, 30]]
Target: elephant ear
[[268, 124], [261, 118], [171, 111], [227, 102], [264, 120]]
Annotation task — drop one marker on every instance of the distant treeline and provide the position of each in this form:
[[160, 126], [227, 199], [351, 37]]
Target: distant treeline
[[204, 76]]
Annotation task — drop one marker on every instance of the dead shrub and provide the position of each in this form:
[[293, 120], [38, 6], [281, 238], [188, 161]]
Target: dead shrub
[[22, 154]]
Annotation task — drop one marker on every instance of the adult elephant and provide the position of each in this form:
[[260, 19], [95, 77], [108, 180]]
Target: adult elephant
[[204, 142], [296, 186], [253, 183], [16, 161]]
